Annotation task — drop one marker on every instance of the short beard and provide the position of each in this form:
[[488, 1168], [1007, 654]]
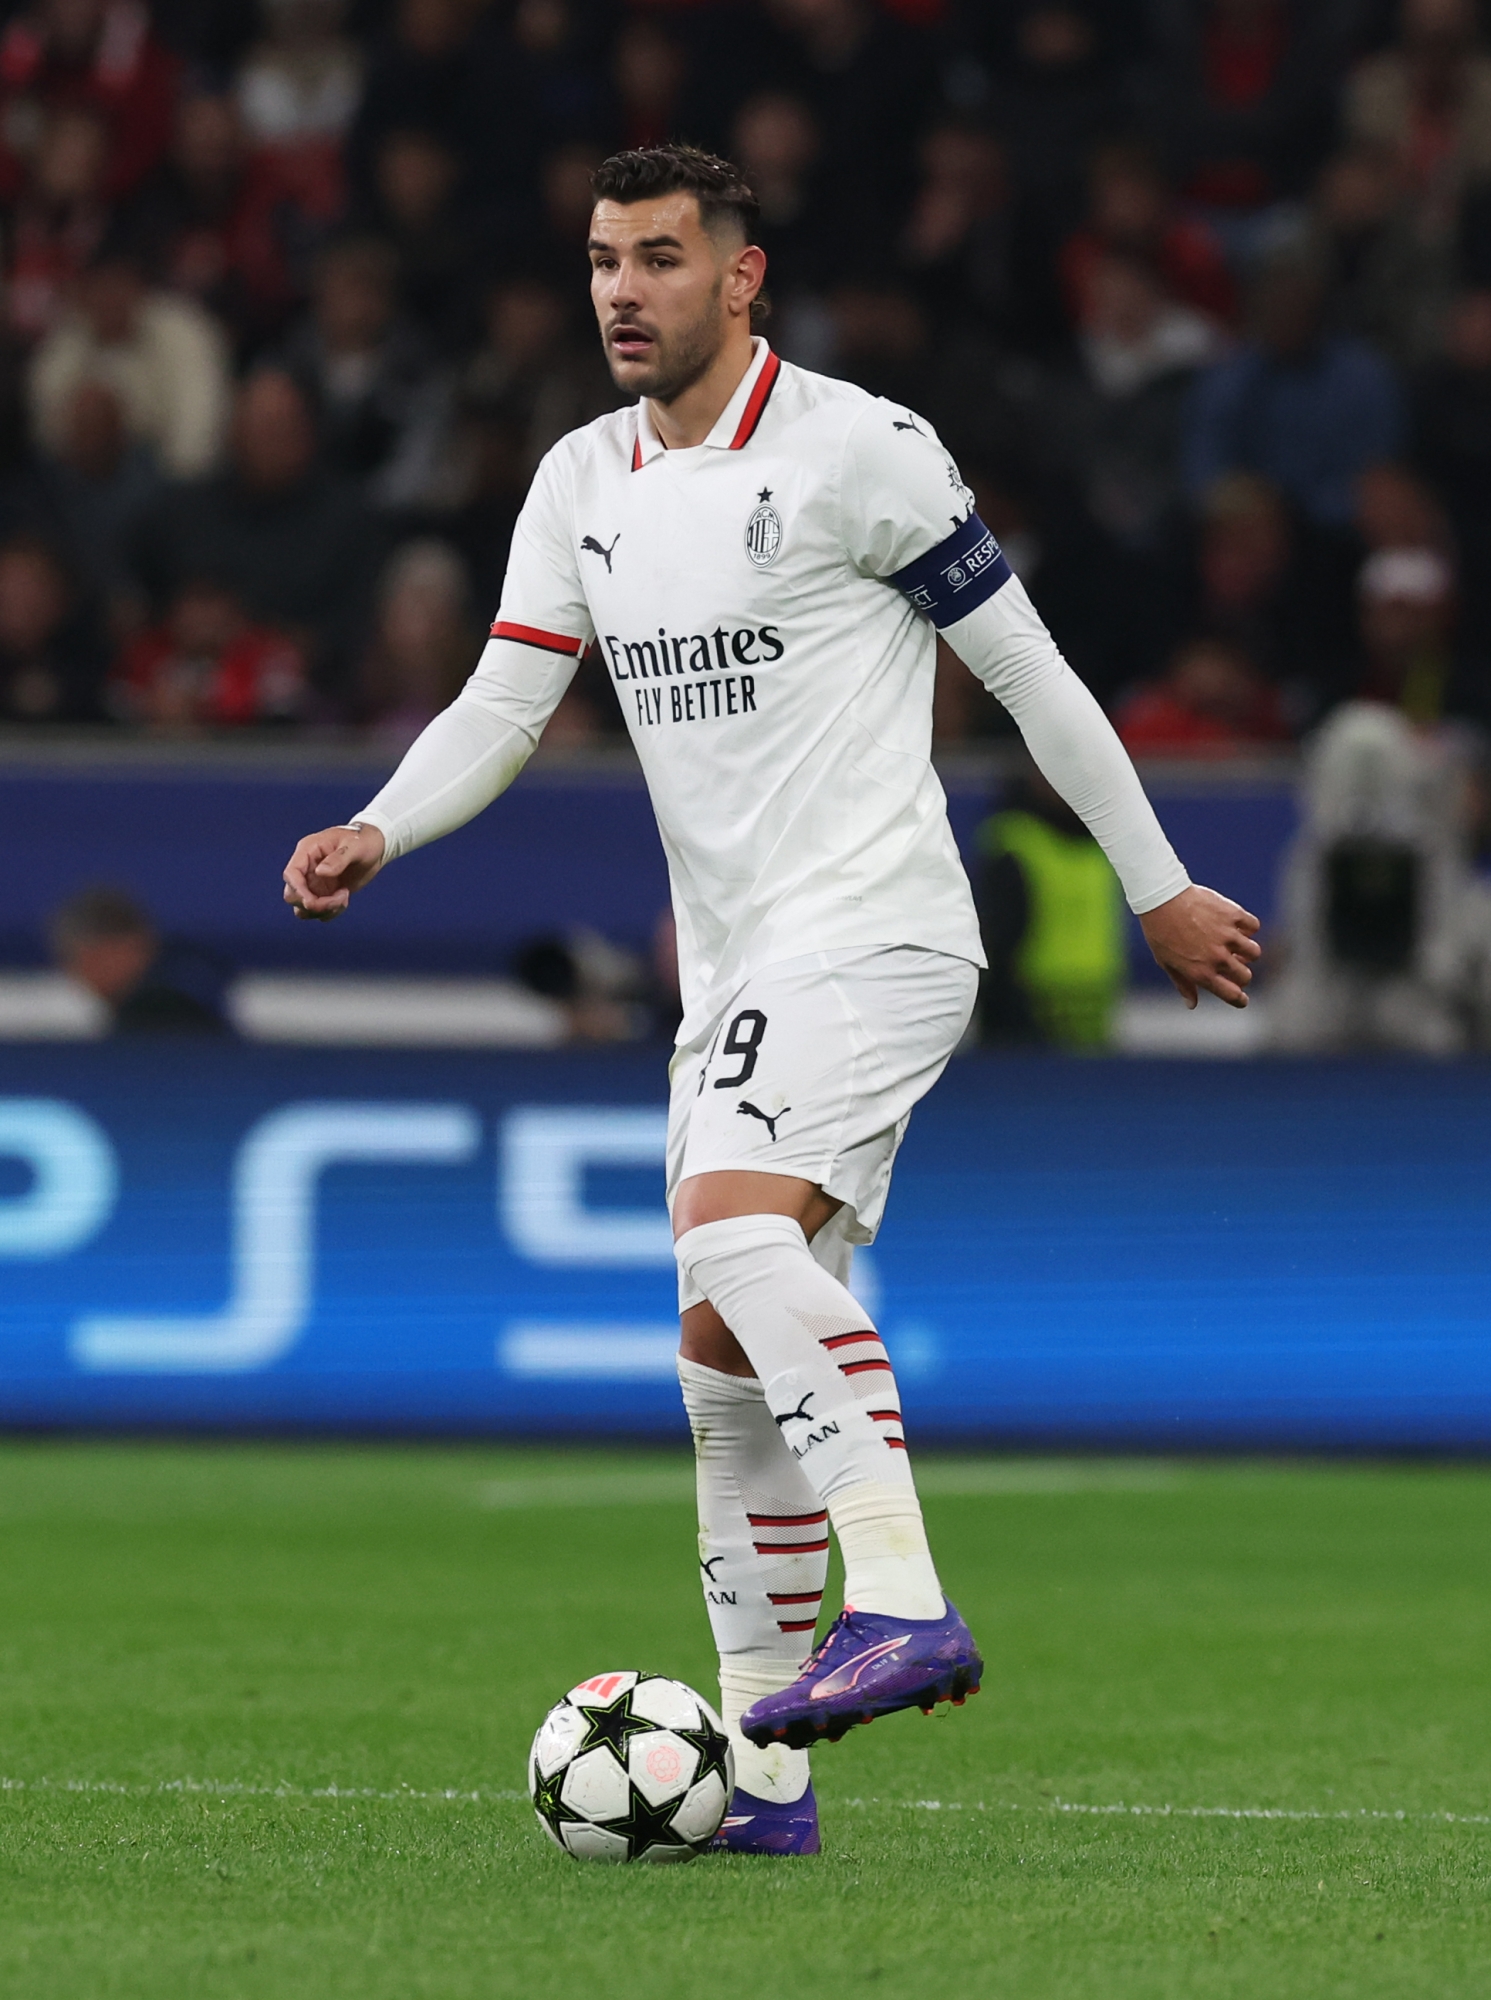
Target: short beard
[[688, 356]]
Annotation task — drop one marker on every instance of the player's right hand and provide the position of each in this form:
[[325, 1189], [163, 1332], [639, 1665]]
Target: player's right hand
[[326, 867]]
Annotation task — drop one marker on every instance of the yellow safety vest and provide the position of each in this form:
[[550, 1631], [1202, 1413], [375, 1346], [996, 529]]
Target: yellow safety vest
[[1071, 959]]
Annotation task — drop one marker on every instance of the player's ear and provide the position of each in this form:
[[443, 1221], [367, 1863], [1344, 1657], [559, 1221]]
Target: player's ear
[[747, 276]]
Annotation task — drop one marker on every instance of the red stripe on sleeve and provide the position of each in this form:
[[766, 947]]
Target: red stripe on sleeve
[[530, 635], [750, 416]]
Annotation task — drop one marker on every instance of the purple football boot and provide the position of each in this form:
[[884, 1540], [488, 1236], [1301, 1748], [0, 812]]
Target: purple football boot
[[868, 1666], [760, 1826]]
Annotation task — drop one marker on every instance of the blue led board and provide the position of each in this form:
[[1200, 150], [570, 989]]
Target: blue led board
[[1183, 1255]]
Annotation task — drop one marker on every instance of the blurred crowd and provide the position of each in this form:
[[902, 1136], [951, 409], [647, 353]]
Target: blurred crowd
[[294, 299]]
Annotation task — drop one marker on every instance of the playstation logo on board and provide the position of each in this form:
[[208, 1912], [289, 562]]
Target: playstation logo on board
[[763, 535]]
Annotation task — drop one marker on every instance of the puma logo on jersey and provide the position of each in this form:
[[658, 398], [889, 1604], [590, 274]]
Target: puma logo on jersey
[[745, 1110], [797, 1416], [910, 425], [592, 547]]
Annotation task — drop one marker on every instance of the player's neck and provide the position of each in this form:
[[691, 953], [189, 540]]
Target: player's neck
[[693, 414]]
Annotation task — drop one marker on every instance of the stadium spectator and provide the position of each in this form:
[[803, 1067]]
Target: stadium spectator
[[1396, 510], [1212, 702], [1052, 920], [1052, 97], [1252, 595], [425, 642], [1306, 409], [554, 68], [50, 661], [1116, 426], [778, 142], [649, 72], [433, 71], [380, 396], [207, 666], [1132, 212], [1389, 278], [864, 74], [300, 85], [532, 371], [57, 222], [1239, 92], [1407, 600], [291, 540], [962, 242], [227, 225], [97, 54], [1452, 448], [164, 358], [418, 210], [97, 482], [152, 985], [1428, 103]]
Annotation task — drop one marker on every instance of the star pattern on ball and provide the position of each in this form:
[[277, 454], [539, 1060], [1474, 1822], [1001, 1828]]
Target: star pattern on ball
[[546, 1797], [648, 1825], [614, 1725], [712, 1748]]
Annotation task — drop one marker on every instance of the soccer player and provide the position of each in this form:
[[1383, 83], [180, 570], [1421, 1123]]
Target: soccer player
[[764, 558]]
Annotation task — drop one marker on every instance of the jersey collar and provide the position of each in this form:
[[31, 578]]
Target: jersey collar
[[737, 422]]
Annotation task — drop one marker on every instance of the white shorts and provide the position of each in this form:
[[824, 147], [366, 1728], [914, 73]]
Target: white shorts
[[813, 1070]]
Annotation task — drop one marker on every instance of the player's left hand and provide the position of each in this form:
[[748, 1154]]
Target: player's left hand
[[1203, 939]]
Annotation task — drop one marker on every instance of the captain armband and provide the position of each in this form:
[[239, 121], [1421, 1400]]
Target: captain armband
[[957, 576]]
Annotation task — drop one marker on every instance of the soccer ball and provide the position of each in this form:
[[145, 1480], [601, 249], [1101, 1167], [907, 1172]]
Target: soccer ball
[[631, 1767]]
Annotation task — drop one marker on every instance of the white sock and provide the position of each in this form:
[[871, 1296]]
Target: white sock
[[763, 1553], [830, 1387], [887, 1564]]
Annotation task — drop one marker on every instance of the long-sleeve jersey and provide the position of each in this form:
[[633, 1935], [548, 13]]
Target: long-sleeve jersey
[[766, 605]]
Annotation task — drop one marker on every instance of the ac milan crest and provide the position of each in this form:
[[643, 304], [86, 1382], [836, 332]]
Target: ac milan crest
[[763, 535]]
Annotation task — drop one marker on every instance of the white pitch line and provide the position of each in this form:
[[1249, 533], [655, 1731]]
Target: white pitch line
[[232, 1788], [1355, 1813]]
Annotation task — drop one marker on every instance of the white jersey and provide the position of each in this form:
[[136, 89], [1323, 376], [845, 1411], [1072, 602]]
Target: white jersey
[[766, 605]]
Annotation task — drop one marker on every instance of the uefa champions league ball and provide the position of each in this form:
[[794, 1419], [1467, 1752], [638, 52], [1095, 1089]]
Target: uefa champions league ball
[[631, 1767]]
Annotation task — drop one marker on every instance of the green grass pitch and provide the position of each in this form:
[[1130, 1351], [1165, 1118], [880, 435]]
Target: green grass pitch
[[263, 1715]]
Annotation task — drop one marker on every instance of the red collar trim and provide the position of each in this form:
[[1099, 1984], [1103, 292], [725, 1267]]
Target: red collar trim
[[750, 416]]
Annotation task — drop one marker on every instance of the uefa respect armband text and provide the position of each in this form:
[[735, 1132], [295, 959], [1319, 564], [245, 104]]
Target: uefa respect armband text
[[957, 576]]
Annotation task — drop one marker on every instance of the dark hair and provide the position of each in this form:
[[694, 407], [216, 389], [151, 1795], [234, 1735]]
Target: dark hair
[[722, 191]]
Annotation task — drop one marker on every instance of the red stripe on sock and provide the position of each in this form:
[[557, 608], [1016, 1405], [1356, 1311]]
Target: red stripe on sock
[[896, 1444], [848, 1339], [797, 1625], [790, 1548], [885, 1416], [787, 1520], [794, 1596], [862, 1367]]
